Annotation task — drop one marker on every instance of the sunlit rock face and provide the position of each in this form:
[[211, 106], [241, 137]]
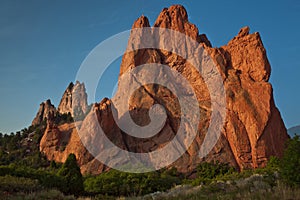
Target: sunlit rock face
[[74, 100], [253, 129]]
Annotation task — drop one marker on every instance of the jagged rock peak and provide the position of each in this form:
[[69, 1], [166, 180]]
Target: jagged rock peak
[[141, 22], [74, 99], [244, 31], [46, 111], [70, 86], [175, 12], [248, 55], [202, 38], [176, 18]]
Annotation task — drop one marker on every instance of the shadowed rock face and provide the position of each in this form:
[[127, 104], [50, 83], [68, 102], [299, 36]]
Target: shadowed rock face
[[253, 128], [46, 111]]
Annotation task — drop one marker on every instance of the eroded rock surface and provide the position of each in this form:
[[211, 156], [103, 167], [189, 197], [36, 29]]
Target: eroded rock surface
[[74, 100], [253, 129], [46, 111]]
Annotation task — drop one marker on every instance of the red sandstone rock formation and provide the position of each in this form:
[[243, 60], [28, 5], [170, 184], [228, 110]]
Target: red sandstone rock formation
[[46, 111], [253, 128], [74, 100]]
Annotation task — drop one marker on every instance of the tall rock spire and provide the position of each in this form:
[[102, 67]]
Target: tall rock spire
[[74, 100], [46, 111]]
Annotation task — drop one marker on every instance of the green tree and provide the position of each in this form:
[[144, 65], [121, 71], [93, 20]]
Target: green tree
[[70, 172], [53, 164], [290, 164]]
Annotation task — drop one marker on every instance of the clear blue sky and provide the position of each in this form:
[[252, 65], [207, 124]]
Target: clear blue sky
[[42, 44]]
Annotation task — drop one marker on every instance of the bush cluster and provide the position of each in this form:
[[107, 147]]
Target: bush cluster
[[68, 179], [118, 183], [24, 169]]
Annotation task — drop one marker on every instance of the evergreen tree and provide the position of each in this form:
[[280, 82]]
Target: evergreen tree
[[290, 165], [70, 172]]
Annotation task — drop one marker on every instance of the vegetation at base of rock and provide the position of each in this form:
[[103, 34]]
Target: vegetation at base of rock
[[118, 183], [225, 191], [22, 147], [63, 118], [12, 184], [19, 178], [290, 163], [45, 178], [72, 177], [206, 172], [31, 172]]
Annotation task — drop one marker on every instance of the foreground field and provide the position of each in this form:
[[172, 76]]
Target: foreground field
[[280, 179], [254, 188]]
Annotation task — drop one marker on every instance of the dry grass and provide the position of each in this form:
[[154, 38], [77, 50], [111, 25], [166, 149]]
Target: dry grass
[[255, 188]]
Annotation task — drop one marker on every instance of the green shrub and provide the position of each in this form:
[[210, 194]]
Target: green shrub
[[273, 164], [290, 163], [116, 183], [207, 172], [45, 178], [18, 184], [63, 118], [212, 170]]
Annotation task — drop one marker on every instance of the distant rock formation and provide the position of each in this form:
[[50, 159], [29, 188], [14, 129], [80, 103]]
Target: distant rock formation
[[253, 130], [74, 100], [295, 130], [46, 111], [59, 141]]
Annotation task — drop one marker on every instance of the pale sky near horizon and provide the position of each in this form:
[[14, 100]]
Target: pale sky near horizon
[[43, 43]]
